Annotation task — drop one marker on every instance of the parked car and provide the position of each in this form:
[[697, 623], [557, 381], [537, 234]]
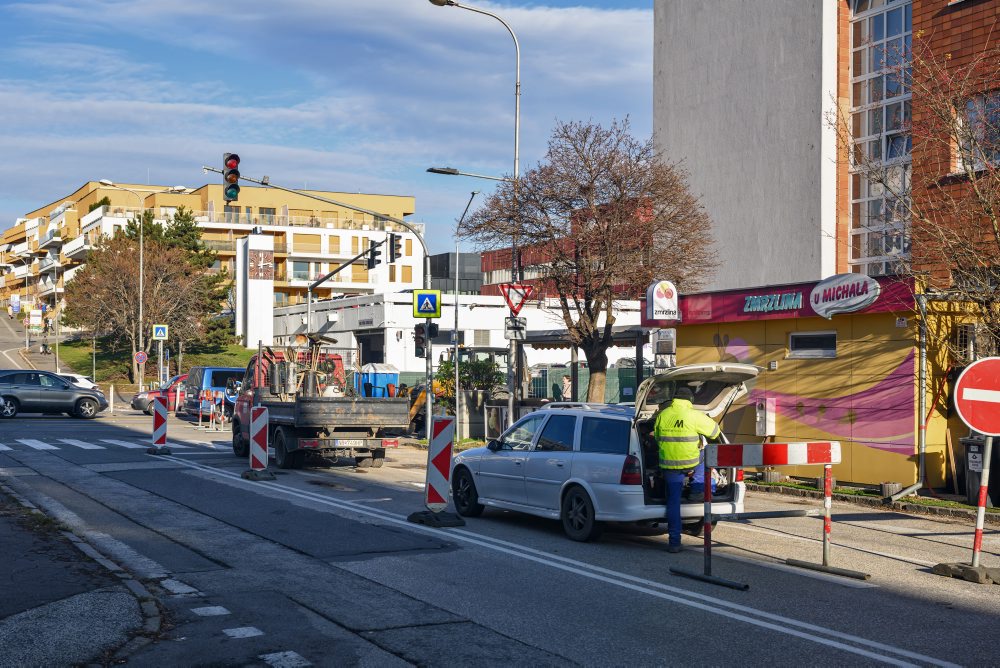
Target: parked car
[[214, 379], [81, 380], [588, 464], [143, 401], [32, 391]]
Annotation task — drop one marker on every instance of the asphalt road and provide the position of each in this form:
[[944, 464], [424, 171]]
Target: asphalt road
[[322, 567]]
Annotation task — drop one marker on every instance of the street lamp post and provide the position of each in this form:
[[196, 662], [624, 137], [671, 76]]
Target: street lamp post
[[513, 363], [142, 266]]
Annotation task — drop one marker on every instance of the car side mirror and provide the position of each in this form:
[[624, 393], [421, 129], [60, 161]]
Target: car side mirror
[[493, 445]]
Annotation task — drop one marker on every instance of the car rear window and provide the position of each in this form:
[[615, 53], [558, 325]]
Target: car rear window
[[604, 435], [220, 378]]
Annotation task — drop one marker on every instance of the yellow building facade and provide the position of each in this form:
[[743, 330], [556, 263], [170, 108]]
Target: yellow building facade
[[45, 248]]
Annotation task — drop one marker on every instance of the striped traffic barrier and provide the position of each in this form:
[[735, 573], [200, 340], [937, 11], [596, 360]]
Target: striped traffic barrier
[[438, 480], [159, 444], [258, 446], [220, 411], [743, 455]]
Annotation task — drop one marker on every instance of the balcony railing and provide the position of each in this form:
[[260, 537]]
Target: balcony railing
[[52, 237], [49, 263], [77, 246], [226, 246]]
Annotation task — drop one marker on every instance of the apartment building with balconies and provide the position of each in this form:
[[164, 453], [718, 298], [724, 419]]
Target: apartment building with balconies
[[43, 250]]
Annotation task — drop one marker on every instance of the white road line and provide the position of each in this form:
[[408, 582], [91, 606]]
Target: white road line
[[243, 632], [284, 660], [175, 586], [3, 447], [81, 444], [210, 611], [777, 623], [36, 444], [124, 444]]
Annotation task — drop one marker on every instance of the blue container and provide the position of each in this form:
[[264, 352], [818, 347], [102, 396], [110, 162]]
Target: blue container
[[380, 376]]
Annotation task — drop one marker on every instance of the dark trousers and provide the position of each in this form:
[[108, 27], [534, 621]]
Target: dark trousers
[[674, 480]]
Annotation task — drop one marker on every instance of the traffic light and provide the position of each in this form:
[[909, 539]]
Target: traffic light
[[373, 254], [420, 340], [432, 330], [230, 177], [395, 247]]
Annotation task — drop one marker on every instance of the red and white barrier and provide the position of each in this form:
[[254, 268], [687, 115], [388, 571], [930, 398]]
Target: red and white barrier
[[741, 455], [439, 463], [258, 438], [159, 443]]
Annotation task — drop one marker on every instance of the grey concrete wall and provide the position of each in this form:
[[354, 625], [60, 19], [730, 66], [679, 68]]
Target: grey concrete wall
[[739, 96]]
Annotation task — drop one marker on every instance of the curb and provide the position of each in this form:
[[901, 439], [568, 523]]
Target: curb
[[152, 619], [875, 502]]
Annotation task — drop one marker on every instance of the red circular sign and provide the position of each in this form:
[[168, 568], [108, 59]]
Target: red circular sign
[[141, 357], [977, 396]]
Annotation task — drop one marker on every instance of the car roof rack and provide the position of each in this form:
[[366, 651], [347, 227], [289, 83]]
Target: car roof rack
[[589, 406]]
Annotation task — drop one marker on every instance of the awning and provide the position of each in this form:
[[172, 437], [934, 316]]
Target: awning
[[554, 339]]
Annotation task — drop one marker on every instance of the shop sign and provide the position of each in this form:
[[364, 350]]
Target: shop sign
[[781, 301], [661, 302], [843, 293]]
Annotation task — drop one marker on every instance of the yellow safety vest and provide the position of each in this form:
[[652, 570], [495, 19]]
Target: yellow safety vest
[[677, 431]]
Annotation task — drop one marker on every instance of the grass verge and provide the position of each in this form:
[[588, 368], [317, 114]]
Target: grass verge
[[114, 366]]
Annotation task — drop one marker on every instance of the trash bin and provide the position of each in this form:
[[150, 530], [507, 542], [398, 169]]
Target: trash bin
[[975, 449], [374, 379]]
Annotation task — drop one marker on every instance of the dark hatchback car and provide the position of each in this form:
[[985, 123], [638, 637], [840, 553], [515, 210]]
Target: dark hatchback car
[[29, 391]]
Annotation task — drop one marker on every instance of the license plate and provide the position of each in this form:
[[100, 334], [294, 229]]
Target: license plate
[[350, 443]]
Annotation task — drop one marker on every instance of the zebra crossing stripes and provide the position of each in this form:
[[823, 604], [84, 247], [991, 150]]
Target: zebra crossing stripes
[[81, 444], [36, 444], [124, 444], [3, 447]]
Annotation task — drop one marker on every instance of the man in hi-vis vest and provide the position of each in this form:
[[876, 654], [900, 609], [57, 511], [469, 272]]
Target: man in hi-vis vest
[[678, 429]]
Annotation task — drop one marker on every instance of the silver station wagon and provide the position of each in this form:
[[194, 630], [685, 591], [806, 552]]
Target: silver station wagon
[[591, 464]]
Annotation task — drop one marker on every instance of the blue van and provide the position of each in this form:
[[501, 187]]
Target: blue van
[[214, 379]]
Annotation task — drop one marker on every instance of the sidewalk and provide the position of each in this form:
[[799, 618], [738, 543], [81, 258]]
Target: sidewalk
[[59, 606]]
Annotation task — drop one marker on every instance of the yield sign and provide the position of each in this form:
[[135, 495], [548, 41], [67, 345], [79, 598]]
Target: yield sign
[[516, 294], [977, 396]]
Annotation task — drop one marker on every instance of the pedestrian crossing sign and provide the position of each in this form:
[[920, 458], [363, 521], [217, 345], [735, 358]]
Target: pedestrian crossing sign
[[426, 303], [160, 332]]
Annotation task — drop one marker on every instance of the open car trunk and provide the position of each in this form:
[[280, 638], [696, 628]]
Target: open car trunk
[[715, 387]]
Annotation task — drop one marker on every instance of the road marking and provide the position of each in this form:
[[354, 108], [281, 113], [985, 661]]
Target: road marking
[[81, 444], [243, 632], [124, 444], [177, 587], [3, 447], [36, 444], [716, 606], [284, 660], [210, 611]]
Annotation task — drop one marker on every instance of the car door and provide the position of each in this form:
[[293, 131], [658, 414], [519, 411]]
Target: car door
[[25, 388], [54, 393], [549, 462], [501, 469]]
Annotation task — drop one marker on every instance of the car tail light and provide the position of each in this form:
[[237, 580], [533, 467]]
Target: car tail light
[[308, 442], [739, 475], [390, 442], [631, 471]]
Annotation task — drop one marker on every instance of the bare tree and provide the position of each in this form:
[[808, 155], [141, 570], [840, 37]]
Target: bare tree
[[601, 217], [946, 210]]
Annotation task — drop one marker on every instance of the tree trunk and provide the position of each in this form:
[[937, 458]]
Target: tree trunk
[[597, 362]]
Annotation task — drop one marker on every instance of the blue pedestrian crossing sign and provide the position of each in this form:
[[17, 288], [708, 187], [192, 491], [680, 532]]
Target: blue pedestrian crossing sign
[[426, 303], [160, 332]]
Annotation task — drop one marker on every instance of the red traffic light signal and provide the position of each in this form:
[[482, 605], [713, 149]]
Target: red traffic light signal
[[230, 177]]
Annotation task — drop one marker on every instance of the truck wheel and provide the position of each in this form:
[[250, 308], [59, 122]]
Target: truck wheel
[[378, 462], [239, 446], [282, 457], [363, 462]]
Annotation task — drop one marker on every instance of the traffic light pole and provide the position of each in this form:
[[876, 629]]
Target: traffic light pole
[[313, 286]]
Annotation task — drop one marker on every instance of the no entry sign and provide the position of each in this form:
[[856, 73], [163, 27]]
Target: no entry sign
[[977, 396]]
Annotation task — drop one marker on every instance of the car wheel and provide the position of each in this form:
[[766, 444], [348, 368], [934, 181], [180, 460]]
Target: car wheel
[[363, 462], [8, 407], [240, 447], [86, 409], [463, 491], [578, 516], [149, 409]]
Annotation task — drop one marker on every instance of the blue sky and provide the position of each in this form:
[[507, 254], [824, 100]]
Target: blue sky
[[343, 95]]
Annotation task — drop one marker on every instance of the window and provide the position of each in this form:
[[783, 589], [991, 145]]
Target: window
[[300, 271], [267, 215], [407, 274], [408, 247], [232, 213], [605, 435], [521, 434], [812, 345], [558, 433], [392, 273], [49, 381], [980, 144], [334, 242]]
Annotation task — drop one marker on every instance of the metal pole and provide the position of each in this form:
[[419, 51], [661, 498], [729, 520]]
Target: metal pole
[[827, 493], [984, 481], [58, 317], [458, 388], [429, 380], [93, 365]]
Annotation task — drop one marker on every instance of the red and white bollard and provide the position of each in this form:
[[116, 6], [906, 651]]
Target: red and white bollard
[[984, 482], [438, 481], [258, 446], [159, 445]]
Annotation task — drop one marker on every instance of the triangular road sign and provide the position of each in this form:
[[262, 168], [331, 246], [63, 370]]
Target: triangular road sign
[[426, 306], [516, 294]]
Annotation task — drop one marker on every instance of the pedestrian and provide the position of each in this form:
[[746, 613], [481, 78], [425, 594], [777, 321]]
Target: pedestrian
[[678, 429], [10, 311]]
